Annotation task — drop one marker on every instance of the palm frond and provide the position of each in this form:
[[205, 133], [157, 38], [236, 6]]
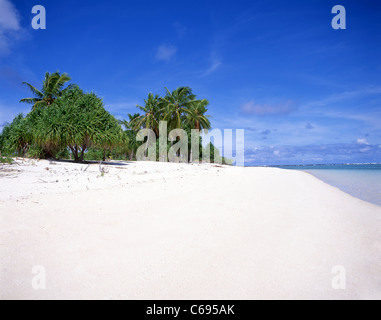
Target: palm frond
[[29, 100], [34, 90]]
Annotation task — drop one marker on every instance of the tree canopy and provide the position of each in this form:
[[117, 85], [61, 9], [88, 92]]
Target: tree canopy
[[77, 121]]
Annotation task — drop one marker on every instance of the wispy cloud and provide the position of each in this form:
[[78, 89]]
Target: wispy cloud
[[9, 25], [121, 108], [345, 96], [181, 30], [215, 64], [252, 108], [166, 52]]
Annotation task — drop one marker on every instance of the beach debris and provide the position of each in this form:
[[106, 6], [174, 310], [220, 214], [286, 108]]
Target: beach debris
[[102, 170], [43, 181], [140, 173]]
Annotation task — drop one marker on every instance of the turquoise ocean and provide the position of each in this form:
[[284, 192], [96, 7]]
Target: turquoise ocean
[[362, 181]]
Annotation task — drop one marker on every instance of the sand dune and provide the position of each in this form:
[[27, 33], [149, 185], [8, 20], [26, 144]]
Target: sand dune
[[173, 231]]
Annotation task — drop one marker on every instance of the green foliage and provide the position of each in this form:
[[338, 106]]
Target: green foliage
[[177, 106], [180, 108], [214, 153], [36, 152], [52, 89], [227, 161], [196, 116], [66, 122], [15, 138], [96, 154], [6, 160], [64, 154], [151, 117], [76, 121]]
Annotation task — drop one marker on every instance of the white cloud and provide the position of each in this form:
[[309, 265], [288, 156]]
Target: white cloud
[[276, 152], [366, 149], [251, 108], [363, 141], [9, 17], [166, 52], [9, 24]]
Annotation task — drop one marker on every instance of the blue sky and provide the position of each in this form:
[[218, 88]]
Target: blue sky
[[304, 92]]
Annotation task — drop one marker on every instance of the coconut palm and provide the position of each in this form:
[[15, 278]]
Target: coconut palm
[[52, 89], [196, 115], [129, 124], [151, 117], [130, 132], [176, 105]]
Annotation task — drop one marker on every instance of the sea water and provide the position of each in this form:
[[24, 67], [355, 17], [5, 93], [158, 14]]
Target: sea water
[[362, 181]]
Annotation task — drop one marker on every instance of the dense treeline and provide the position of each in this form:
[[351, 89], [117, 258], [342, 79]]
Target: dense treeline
[[67, 123]]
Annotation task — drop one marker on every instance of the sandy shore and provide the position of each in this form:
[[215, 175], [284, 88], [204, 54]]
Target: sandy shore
[[170, 231]]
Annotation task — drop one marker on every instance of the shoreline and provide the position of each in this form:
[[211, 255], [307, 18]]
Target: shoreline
[[173, 231]]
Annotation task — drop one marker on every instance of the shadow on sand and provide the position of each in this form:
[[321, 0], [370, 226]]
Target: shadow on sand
[[104, 163]]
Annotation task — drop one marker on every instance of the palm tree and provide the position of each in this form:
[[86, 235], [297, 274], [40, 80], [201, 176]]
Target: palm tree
[[176, 105], [197, 119], [196, 115], [52, 89], [129, 124], [150, 118], [131, 133]]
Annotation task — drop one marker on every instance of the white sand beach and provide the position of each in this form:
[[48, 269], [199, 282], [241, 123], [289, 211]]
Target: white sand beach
[[174, 231]]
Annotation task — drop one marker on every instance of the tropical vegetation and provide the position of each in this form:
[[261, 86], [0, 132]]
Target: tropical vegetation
[[66, 122]]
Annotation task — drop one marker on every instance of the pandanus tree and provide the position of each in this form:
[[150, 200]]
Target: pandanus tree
[[15, 138], [78, 121], [52, 88]]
